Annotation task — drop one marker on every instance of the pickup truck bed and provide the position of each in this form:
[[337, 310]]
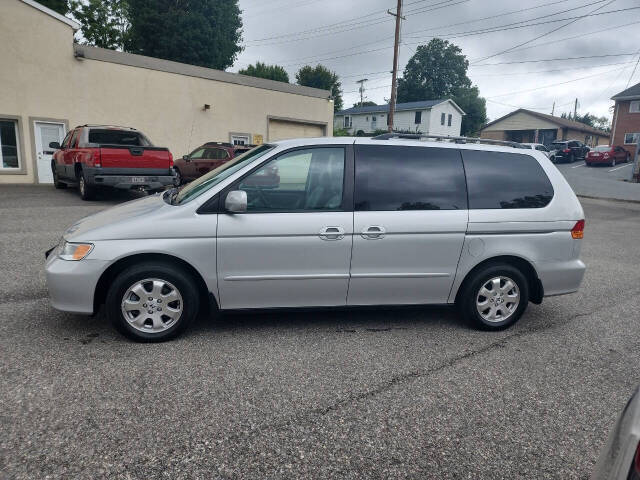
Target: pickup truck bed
[[130, 163]]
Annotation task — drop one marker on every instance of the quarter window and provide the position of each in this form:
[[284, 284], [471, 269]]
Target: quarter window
[[301, 180], [408, 178], [505, 180], [9, 154]]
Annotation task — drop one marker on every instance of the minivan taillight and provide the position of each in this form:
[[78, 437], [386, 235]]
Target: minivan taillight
[[577, 231]]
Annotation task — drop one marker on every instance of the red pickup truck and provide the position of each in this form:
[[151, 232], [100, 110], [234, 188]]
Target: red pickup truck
[[94, 156]]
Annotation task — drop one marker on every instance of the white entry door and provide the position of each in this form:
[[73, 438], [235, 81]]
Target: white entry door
[[46, 132]]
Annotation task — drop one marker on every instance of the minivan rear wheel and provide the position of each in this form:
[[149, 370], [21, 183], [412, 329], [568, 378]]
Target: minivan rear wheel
[[152, 302], [494, 297]]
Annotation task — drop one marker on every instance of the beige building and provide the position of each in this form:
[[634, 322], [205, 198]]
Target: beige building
[[48, 84], [528, 126]]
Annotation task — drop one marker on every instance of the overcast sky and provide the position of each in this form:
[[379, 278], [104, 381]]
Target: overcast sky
[[354, 38]]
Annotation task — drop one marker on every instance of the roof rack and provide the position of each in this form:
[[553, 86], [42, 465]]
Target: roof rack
[[90, 125], [442, 138]]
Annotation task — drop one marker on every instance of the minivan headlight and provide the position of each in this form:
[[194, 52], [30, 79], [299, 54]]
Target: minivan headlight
[[74, 251]]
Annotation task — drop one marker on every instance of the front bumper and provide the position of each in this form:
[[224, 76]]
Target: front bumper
[[131, 178], [72, 284]]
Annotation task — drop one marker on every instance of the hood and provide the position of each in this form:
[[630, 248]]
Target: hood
[[127, 220]]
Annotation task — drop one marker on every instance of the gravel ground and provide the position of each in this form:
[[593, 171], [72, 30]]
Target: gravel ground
[[379, 393]]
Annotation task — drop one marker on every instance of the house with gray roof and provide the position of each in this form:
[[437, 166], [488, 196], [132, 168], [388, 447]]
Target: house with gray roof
[[435, 117]]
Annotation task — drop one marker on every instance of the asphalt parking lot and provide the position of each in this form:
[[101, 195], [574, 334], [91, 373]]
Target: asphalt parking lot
[[601, 181], [384, 393]]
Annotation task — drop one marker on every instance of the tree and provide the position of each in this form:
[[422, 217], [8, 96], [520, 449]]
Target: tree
[[104, 22], [60, 6], [262, 70], [321, 77], [594, 121], [366, 103], [439, 70], [198, 32]]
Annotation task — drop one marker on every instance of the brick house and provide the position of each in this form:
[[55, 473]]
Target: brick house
[[626, 118], [527, 126]]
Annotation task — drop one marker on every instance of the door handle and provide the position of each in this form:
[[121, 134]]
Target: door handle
[[373, 232], [331, 233]]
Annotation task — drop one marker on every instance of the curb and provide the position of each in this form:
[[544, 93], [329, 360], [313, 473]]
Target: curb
[[620, 200]]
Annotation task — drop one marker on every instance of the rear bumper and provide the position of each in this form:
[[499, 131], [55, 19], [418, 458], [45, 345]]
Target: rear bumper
[[128, 178], [559, 278], [598, 160]]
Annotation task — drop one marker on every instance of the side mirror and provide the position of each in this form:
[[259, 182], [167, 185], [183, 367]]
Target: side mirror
[[54, 145], [186, 158], [236, 201]]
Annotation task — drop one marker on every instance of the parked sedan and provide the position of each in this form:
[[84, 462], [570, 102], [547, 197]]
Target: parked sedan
[[568, 151], [620, 458], [537, 146], [606, 155], [205, 158]]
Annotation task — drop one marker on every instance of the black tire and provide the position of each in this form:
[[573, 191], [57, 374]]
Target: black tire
[[588, 164], [179, 179], [87, 192], [176, 276], [56, 181], [471, 290]]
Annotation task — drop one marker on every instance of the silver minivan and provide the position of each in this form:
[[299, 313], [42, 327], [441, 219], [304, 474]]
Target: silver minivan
[[332, 222]]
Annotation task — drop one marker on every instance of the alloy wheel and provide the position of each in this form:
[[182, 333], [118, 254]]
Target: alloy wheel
[[498, 299], [152, 305]]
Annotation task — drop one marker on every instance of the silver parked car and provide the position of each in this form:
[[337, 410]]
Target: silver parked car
[[620, 458], [393, 220], [538, 146]]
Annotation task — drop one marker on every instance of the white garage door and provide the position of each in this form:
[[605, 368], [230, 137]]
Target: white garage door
[[282, 129]]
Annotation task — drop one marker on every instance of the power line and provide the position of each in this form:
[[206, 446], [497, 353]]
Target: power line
[[342, 27], [458, 35], [554, 84], [543, 35], [553, 59]]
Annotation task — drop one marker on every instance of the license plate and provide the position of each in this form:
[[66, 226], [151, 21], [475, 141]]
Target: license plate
[[138, 179]]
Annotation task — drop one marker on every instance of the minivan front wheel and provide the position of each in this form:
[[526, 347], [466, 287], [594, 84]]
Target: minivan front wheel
[[152, 302], [495, 297]]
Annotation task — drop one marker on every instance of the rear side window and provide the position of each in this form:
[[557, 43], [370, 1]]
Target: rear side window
[[117, 137], [409, 178], [505, 180]]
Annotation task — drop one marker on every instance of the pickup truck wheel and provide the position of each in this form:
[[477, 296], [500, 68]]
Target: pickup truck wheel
[[152, 302], [86, 191], [179, 178], [494, 297], [56, 181]]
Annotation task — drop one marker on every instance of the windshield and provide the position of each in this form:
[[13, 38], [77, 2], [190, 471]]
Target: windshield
[[602, 148], [214, 177]]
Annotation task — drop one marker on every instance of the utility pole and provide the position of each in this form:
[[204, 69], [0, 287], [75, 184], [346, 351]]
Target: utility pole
[[392, 103], [575, 110], [361, 82], [553, 109]]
